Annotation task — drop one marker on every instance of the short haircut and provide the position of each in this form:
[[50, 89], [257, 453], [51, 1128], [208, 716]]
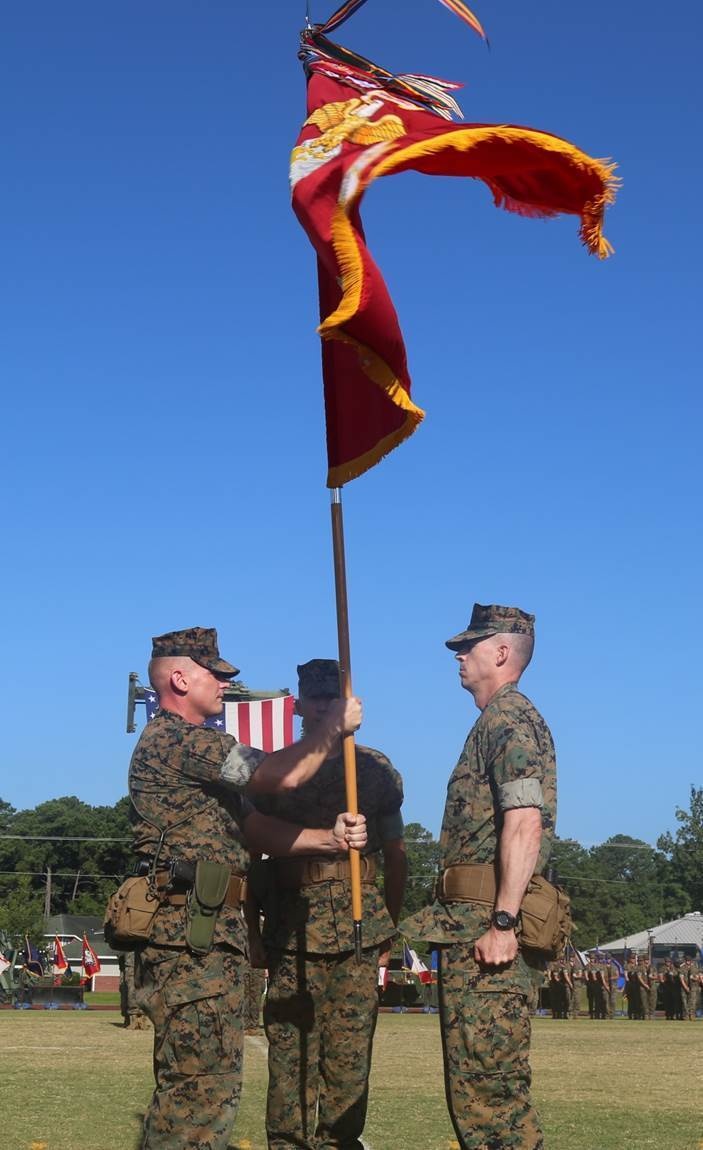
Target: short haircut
[[521, 647]]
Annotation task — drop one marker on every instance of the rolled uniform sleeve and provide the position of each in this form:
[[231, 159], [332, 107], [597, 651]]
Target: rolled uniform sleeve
[[215, 757], [240, 764], [520, 793]]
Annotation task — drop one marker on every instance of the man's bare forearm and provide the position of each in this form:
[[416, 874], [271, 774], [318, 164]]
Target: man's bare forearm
[[280, 838], [520, 840]]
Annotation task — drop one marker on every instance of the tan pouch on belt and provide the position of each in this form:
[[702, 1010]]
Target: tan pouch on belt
[[130, 914]]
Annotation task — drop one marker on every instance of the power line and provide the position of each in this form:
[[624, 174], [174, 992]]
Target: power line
[[57, 874], [66, 838]]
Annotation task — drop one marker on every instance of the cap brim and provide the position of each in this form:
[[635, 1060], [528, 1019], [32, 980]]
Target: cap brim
[[468, 636], [219, 666]]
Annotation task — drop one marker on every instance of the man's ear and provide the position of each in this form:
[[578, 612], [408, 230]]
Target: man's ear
[[178, 682], [502, 654], [296, 709]]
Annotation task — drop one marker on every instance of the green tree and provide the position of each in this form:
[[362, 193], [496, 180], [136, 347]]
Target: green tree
[[423, 861], [73, 839], [620, 887], [21, 912], [684, 850]]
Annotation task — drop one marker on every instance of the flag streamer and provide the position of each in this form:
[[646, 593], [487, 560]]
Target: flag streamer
[[456, 6]]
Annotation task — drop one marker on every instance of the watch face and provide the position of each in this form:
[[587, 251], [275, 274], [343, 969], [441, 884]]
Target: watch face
[[503, 920]]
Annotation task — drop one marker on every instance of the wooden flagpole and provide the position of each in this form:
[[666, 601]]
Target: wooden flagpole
[[340, 586]]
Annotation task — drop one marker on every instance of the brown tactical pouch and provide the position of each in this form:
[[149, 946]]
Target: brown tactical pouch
[[545, 914], [130, 914]]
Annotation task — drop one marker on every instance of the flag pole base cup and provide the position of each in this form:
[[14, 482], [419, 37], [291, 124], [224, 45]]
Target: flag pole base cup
[[357, 942]]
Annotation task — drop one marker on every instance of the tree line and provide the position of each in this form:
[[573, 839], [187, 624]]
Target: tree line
[[66, 857]]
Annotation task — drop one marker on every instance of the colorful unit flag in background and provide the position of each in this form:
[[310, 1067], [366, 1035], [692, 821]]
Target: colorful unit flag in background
[[59, 962], [263, 723], [32, 957], [363, 123], [90, 960], [412, 961]]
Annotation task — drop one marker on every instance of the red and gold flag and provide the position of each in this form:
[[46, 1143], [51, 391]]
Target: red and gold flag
[[357, 130]]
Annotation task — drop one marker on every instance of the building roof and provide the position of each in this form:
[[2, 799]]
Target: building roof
[[685, 931]]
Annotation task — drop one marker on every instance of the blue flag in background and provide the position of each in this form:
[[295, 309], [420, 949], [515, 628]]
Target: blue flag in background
[[32, 957]]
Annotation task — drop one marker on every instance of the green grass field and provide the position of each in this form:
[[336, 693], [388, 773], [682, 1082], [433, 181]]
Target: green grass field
[[78, 1080]]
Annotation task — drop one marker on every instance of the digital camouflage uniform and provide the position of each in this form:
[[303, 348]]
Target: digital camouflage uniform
[[650, 995], [611, 986], [192, 776], [670, 989], [507, 763], [133, 1017], [254, 986], [600, 989], [688, 977], [321, 1007], [634, 990]]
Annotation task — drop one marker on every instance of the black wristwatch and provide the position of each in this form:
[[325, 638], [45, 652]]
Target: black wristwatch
[[503, 920]]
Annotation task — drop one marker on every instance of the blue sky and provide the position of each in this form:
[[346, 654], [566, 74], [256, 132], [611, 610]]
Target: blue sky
[[163, 461]]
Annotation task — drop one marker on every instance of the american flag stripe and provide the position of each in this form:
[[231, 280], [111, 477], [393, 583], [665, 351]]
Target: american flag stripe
[[263, 723], [266, 723]]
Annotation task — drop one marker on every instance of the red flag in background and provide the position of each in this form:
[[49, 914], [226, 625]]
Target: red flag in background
[[59, 962], [356, 131], [90, 960]]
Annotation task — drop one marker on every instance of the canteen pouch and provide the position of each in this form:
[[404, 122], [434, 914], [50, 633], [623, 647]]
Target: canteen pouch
[[204, 903], [130, 914], [545, 915]]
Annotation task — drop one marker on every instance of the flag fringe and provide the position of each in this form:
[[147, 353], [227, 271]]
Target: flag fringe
[[380, 373], [462, 140], [351, 267]]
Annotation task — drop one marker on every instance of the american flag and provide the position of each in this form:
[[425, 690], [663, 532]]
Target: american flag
[[263, 723]]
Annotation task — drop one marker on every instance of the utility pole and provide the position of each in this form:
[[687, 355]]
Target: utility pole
[[47, 894]]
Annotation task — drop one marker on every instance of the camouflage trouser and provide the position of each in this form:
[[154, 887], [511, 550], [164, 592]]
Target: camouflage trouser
[[195, 1005], [486, 1041], [320, 1015], [688, 1004], [254, 983]]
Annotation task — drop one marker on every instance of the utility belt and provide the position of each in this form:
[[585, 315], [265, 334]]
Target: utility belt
[[294, 873], [203, 888], [545, 911], [175, 878]]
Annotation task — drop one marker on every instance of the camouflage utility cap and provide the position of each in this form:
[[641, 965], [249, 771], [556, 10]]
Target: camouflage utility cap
[[198, 643], [319, 678], [493, 620]]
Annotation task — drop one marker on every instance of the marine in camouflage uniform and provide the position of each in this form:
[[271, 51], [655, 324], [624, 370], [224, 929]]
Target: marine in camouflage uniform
[[669, 988], [633, 989], [651, 994], [186, 784], [133, 1017], [611, 983], [601, 988], [688, 978], [569, 978], [321, 1006], [500, 811]]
